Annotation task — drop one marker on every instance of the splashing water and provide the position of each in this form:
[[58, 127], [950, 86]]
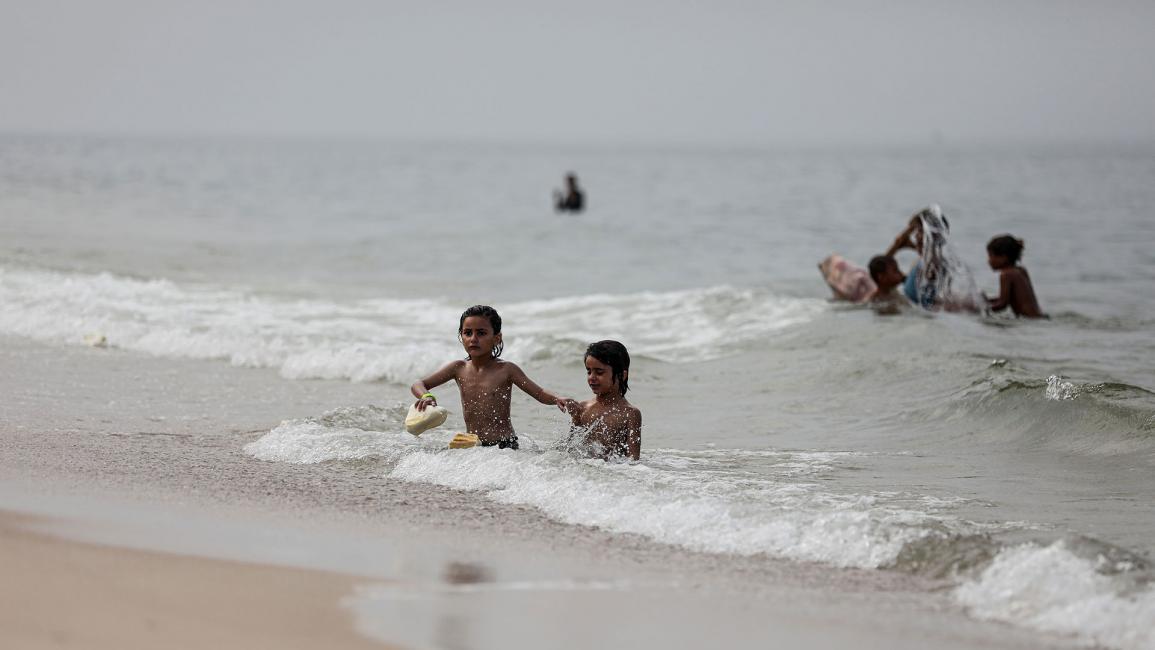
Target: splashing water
[[1059, 390], [942, 278]]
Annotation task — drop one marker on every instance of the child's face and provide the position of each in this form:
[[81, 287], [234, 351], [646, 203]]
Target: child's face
[[996, 261], [478, 337], [600, 377], [890, 278]]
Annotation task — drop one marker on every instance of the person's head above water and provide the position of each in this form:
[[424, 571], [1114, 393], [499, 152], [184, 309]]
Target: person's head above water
[[480, 331], [1004, 250], [607, 358], [885, 272]]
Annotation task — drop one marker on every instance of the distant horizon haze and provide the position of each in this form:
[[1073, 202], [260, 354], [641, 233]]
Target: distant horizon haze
[[734, 73]]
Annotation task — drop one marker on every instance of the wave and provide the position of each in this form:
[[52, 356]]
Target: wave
[[761, 502], [1053, 589], [1094, 418], [378, 339], [702, 501]]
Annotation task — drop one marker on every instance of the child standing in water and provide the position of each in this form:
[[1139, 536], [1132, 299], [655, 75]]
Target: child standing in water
[[612, 426], [485, 380], [1015, 290]]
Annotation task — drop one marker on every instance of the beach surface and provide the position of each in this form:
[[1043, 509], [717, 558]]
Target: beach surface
[[59, 593]]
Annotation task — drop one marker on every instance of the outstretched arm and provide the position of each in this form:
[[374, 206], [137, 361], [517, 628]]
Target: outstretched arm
[[421, 387], [533, 390]]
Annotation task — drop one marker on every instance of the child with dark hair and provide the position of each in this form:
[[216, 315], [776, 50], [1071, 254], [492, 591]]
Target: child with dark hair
[[484, 379], [1015, 289], [612, 426], [887, 277]]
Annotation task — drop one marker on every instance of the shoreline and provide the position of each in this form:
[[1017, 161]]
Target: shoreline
[[123, 462]]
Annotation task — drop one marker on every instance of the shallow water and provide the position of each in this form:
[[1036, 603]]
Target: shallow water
[[1014, 458]]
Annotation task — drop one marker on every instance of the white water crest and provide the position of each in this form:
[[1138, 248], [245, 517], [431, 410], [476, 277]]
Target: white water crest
[[1049, 588], [376, 339], [696, 500]]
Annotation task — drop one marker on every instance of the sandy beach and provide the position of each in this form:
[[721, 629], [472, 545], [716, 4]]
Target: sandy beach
[[58, 593]]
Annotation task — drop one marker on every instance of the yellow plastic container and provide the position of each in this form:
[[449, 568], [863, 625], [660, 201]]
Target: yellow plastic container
[[464, 441]]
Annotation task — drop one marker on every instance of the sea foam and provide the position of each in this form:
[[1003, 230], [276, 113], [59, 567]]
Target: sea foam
[[696, 500], [1049, 588], [378, 339]]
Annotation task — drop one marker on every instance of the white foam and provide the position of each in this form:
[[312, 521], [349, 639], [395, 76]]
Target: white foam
[[700, 501], [306, 442], [370, 340], [1060, 390], [1051, 589], [697, 500], [699, 510]]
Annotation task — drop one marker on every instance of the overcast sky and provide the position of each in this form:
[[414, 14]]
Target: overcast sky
[[723, 71]]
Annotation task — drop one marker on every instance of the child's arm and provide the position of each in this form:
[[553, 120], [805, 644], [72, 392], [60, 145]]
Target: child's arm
[[634, 434], [1004, 299], [574, 408], [517, 375], [421, 387], [903, 240]]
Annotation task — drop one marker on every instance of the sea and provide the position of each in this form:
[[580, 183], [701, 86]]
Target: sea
[[1011, 460]]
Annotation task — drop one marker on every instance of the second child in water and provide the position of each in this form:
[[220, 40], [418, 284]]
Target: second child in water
[[612, 426], [485, 380], [1015, 289]]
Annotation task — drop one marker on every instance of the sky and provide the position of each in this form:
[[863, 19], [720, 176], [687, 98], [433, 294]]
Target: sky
[[719, 72]]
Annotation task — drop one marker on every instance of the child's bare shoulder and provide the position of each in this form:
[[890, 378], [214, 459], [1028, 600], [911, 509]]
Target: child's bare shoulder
[[626, 413], [507, 367]]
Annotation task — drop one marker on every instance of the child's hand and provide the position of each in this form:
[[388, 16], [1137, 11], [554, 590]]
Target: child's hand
[[572, 407], [425, 402]]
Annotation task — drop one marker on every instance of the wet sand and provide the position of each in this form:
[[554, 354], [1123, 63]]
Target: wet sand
[[57, 593]]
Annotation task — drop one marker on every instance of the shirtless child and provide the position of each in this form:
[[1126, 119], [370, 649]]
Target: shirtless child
[[1015, 289], [887, 278], [485, 380], [612, 426]]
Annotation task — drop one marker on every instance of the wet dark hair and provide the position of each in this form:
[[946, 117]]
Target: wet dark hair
[[614, 355], [879, 264], [485, 311], [1006, 246]]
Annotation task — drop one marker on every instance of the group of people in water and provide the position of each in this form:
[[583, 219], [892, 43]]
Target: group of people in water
[[605, 426], [933, 281], [608, 426]]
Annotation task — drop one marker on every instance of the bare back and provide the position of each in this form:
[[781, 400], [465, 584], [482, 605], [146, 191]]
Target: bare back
[[1016, 292]]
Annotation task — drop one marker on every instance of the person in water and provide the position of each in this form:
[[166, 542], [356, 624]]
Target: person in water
[[1015, 289], [485, 380], [887, 278], [572, 199], [920, 293], [611, 425], [938, 280]]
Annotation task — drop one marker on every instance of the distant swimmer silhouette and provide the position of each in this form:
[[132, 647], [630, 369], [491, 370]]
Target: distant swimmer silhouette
[[572, 199]]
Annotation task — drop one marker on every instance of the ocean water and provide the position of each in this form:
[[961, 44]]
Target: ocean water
[[1012, 459]]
